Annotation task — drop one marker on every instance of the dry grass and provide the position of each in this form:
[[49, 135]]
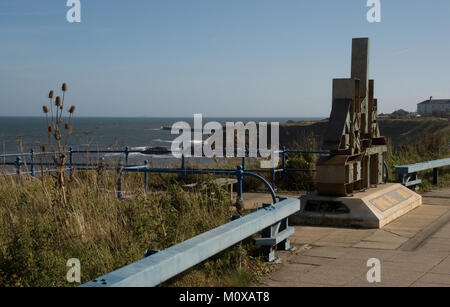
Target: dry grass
[[38, 233]]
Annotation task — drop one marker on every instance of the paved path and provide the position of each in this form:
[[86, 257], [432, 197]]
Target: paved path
[[414, 250]]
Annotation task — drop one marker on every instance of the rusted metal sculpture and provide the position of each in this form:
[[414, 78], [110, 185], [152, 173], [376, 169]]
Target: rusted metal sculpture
[[353, 136]]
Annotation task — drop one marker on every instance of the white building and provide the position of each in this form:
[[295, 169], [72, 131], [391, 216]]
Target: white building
[[427, 107]]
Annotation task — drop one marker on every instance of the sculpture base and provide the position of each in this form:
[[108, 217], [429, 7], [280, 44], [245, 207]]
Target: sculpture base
[[373, 208]]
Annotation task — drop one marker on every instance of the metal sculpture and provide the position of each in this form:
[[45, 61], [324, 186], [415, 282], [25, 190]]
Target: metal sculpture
[[353, 136]]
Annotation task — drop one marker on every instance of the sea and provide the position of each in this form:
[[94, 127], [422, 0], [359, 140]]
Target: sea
[[21, 134]]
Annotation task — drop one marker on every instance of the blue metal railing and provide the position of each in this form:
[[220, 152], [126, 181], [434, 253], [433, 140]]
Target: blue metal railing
[[407, 174], [71, 165]]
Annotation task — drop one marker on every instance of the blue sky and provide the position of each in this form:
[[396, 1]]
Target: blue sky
[[217, 57]]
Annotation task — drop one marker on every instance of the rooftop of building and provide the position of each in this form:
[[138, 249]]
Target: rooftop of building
[[436, 101]]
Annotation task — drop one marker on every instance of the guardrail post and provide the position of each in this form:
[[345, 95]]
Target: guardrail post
[[18, 164], [285, 244], [435, 176], [32, 162], [119, 181], [414, 178], [275, 235], [146, 176]]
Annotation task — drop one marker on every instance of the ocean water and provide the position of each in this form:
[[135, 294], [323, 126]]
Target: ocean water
[[24, 133], [21, 134]]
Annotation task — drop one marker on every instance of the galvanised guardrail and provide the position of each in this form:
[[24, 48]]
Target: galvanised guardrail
[[160, 266], [407, 174]]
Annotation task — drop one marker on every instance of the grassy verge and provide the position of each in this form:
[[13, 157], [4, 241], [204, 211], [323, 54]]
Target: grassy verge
[[431, 148], [38, 234]]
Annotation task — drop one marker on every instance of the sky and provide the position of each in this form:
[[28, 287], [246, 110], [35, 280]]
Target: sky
[[221, 58]]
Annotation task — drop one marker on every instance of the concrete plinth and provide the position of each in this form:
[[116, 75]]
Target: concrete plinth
[[373, 208]]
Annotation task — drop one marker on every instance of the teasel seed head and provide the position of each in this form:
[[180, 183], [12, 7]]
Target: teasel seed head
[[64, 87], [67, 126], [72, 109], [58, 101], [57, 135], [50, 95], [45, 109], [49, 129], [44, 148]]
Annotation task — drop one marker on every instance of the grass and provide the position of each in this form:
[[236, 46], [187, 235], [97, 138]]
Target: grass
[[38, 234], [430, 148]]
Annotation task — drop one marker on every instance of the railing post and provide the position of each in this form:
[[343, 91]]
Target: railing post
[[183, 166], [283, 161], [18, 164], [119, 181], [146, 176], [127, 151], [243, 169], [240, 199], [71, 162], [32, 162], [435, 176], [273, 169], [386, 170], [101, 169]]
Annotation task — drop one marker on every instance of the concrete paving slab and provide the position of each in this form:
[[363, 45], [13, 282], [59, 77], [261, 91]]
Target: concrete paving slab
[[420, 267], [366, 254], [308, 235], [443, 267], [401, 232], [443, 233], [378, 245], [361, 281], [290, 273], [394, 271], [331, 276], [344, 237], [438, 197], [414, 258], [436, 245], [433, 278], [309, 260], [327, 252], [428, 285], [384, 236], [431, 211]]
